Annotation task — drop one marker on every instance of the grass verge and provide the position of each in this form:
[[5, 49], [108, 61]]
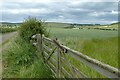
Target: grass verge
[[22, 61]]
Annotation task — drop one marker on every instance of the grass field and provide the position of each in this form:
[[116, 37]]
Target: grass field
[[62, 33], [98, 44], [94, 43], [56, 24]]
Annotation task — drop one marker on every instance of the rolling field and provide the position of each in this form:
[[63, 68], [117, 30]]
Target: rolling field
[[98, 44], [101, 45], [56, 24], [62, 33]]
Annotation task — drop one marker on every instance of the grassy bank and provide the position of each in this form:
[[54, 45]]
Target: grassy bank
[[21, 60]]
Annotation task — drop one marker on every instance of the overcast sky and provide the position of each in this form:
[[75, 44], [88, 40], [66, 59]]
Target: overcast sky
[[71, 11]]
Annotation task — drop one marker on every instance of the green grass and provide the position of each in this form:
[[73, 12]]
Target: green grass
[[21, 60], [105, 50], [37, 70], [94, 43], [98, 44], [62, 33], [56, 24]]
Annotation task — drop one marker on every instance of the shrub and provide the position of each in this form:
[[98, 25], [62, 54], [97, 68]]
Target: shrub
[[32, 26]]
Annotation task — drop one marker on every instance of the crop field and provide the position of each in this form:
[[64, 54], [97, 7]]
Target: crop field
[[90, 42], [98, 44], [101, 45], [81, 33]]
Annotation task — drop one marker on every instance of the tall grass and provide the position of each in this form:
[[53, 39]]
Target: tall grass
[[103, 50], [100, 45], [37, 70], [22, 61]]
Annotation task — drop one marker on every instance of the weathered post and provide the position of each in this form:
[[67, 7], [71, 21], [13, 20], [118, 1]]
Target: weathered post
[[58, 68], [57, 73], [40, 44], [39, 41]]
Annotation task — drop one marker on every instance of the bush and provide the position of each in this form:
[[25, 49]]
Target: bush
[[32, 26], [22, 59]]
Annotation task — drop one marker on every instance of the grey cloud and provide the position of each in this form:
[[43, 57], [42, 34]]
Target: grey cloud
[[97, 6], [73, 13]]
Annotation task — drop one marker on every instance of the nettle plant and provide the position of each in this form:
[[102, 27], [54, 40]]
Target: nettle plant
[[32, 26]]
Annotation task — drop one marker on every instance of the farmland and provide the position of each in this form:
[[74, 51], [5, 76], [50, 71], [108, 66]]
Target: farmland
[[98, 44], [94, 43], [63, 39], [81, 33], [101, 45]]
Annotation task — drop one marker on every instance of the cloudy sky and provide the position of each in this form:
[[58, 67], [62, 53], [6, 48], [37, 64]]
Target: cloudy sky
[[70, 11]]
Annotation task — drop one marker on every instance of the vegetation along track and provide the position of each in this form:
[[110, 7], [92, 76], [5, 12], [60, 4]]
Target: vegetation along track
[[3, 39]]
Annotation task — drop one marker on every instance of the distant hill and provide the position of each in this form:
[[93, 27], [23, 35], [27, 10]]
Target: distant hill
[[9, 23], [115, 25], [49, 24], [57, 24]]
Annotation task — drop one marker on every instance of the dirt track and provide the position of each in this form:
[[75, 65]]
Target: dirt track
[[3, 38]]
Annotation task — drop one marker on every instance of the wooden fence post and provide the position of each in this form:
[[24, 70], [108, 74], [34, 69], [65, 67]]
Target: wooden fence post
[[58, 73], [40, 44], [39, 41]]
